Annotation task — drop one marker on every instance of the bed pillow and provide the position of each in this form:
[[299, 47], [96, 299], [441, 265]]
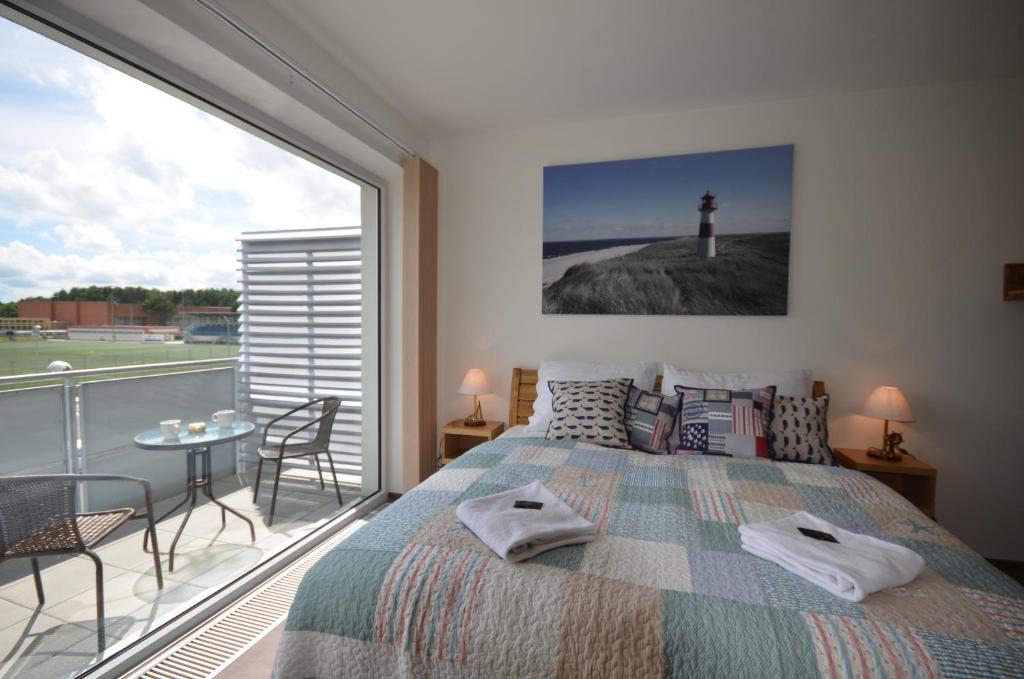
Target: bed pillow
[[798, 430], [787, 382], [642, 374], [723, 421], [650, 417], [594, 412]]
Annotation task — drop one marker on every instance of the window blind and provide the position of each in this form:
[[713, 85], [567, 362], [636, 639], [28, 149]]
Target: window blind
[[301, 337]]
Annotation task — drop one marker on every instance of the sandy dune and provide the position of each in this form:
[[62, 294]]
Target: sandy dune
[[556, 267]]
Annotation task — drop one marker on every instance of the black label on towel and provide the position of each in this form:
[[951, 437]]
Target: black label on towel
[[818, 535], [528, 504]]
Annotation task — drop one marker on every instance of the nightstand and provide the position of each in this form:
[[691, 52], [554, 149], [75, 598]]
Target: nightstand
[[457, 438], [911, 478]]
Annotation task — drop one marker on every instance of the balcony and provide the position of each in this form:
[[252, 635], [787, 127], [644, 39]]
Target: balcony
[[85, 422]]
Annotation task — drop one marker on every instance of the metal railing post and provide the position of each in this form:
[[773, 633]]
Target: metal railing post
[[70, 438]]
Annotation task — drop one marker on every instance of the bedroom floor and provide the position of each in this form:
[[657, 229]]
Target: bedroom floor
[[61, 636], [258, 661]]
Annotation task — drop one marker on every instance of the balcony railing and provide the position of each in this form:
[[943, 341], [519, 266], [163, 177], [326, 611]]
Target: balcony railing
[[86, 422]]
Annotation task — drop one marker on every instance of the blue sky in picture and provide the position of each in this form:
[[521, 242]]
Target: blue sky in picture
[[106, 180], [658, 197]]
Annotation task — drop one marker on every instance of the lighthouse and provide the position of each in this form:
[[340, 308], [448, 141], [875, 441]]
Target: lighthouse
[[706, 239]]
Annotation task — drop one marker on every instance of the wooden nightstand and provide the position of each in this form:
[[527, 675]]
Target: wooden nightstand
[[911, 478], [457, 438]]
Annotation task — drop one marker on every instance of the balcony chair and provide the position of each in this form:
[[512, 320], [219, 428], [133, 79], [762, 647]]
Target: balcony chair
[[318, 446], [38, 517]]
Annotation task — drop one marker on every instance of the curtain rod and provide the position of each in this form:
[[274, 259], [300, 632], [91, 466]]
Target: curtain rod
[[221, 13]]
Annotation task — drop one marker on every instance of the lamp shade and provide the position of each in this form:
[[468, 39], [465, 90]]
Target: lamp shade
[[475, 382], [888, 403]]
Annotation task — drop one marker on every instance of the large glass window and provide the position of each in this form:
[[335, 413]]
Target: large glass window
[[158, 265]]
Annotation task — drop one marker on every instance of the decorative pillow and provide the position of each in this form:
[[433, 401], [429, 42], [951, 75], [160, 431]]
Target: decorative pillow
[[594, 412], [649, 420], [643, 374], [798, 430], [724, 422]]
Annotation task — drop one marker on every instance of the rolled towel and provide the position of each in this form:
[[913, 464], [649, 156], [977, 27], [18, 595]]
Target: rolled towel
[[852, 568], [517, 534]]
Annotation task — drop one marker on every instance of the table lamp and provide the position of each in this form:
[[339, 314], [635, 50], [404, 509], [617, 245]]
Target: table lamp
[[888, 403], [475, 383]]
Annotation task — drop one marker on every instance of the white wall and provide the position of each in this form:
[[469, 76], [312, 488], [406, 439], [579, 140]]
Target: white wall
[[906, 205]]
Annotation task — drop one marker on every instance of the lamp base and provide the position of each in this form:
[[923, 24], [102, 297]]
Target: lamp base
[[475, 418], [888, 456]]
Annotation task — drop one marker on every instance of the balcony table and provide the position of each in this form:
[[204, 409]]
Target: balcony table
[[197, 447]]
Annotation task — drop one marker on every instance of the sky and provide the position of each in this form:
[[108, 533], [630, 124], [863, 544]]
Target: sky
[[105, 180], [654, 197]]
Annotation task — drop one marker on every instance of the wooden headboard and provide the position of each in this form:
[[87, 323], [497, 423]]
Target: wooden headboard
[[524, 392]]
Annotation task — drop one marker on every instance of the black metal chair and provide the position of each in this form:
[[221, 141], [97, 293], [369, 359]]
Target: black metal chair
[[284, 450], [39, 517]]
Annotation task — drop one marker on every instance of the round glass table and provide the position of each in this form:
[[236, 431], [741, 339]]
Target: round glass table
[[197, 448]]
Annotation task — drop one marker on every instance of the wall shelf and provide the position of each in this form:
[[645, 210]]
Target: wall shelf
[[1013, 282]]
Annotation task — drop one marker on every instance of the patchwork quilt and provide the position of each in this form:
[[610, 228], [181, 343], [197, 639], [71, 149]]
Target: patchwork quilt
[[664, 590]]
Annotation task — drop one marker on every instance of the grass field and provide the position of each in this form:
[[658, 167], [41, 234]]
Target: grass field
[[33, 355], [749, 275]]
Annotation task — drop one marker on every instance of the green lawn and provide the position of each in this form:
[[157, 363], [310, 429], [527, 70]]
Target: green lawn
[[33, 355]]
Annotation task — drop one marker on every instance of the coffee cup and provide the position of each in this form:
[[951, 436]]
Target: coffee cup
[[170, 428], [223, 418]]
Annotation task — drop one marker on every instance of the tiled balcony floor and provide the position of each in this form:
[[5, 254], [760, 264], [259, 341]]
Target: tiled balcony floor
[[59, 639]]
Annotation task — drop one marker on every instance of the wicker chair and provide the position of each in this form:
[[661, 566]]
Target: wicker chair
[[38, 517], [284, 450]]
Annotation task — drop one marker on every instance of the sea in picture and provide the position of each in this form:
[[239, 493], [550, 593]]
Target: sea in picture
[[570, 247], [696, 234]]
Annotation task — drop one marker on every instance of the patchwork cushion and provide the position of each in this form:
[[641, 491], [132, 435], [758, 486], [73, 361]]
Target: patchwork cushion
[[798, 430], [594, 412], [649, 420], [723, 422]]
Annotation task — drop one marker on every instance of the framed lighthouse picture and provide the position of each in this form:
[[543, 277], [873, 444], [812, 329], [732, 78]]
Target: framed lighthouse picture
[[695, 234]]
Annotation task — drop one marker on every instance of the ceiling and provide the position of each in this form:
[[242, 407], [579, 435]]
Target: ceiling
[[467, 66]]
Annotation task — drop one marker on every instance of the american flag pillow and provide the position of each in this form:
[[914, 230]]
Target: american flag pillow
[[723, 422]]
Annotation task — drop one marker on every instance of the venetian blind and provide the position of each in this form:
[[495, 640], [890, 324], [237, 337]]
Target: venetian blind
[[301, 319]]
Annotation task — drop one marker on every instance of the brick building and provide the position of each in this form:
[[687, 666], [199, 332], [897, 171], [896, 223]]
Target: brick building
[[104, 313]]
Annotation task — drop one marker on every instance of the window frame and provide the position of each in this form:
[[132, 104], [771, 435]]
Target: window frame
[[176, 82]]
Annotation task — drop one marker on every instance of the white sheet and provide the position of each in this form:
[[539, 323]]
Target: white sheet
[[786, 382], [520, 432]]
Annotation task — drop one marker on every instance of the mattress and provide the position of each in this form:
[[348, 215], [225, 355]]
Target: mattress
[[664, 590]]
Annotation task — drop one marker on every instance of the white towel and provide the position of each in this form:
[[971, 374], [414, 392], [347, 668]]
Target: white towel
[[519, 534], [853, 568]]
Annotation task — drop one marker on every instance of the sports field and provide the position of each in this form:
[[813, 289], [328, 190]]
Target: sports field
[[33, 355]]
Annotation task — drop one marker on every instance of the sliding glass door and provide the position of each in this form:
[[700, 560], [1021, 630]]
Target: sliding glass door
[[171, 275]]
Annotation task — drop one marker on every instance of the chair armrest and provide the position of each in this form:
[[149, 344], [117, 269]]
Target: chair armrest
[[266, 427], [309, 424], [147, 489]]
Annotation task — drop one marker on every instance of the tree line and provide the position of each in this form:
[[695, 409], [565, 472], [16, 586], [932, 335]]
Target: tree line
[[161, 301]]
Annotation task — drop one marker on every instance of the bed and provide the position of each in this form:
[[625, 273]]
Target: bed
[[665, 589]]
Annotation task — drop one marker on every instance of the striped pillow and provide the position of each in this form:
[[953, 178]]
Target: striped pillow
[[724, 422]]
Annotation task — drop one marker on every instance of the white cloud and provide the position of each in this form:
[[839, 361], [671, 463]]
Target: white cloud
[[123, 173], [25, 270], [88, 237]]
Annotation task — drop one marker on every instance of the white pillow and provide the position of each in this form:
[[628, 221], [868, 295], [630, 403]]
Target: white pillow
[[786, 382], [643, 375]]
